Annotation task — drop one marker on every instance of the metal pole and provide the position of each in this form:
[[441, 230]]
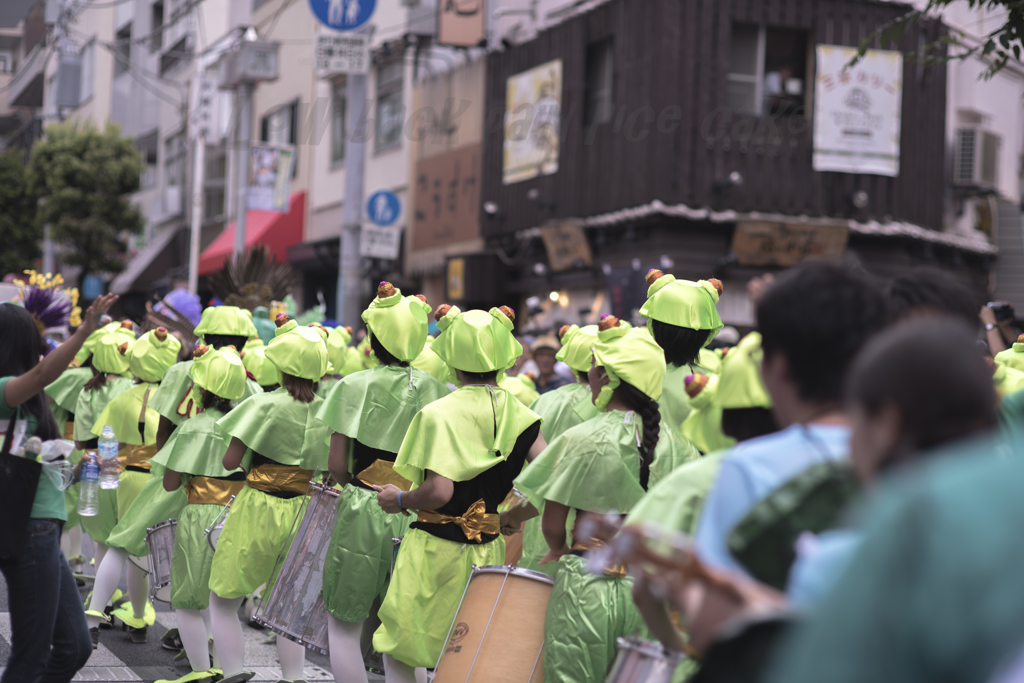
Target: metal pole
[[243, 128], [349, 298], [198, 177], [48, 260]]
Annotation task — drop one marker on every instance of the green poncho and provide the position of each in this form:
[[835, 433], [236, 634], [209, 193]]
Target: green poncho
[[1012, 357], [703, 426], [198, 448], [375, 407], [595, 466], [675, 404], [123, 413], [65, 389], [278, 427], [463, 434], [91, 403], [557, 409], [175, 391]]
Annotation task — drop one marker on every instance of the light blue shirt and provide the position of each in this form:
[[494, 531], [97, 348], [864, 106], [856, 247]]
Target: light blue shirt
[[751, 471], [820, 562]]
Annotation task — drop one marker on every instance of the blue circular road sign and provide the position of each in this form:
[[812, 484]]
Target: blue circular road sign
[[383, 207], [343, 15]]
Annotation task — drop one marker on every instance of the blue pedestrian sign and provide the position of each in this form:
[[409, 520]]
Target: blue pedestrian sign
[[343, 15], [383, 207]]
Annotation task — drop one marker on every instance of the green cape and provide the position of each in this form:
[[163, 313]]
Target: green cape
[[198, 448], [675, 404], [556, 408], [65, 389], [675, 502], [92, 402], [519, 388], [595, 466], [123, 412], [463, 434], [280, 428], [375, 407], [741, 385], [1012, 357], [431, 363]]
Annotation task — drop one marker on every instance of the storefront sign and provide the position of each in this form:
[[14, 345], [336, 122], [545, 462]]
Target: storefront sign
[[533, 114], [857, 111], [381, 242], [456, 279], [566, 245], [759, 243], [447, 198], [270, 179], [461, 23]]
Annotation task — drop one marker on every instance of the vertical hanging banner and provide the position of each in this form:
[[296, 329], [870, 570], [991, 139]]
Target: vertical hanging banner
[[270, 177], [460, 23], [533, 114], [857, 111]]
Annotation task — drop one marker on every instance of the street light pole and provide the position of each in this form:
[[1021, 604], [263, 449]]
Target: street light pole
[[243, 129], [349, 298]]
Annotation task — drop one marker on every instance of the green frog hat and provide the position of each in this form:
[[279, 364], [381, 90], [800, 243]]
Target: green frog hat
[[221, 372], [226, 320], [683, 303], [476, 341], [152, 354], [298, 351], [337, 347], [259, 366], [741, 385], [630, 355], [1013, 357], [111, 352], [398, 322], [577, 346], [90, 342]]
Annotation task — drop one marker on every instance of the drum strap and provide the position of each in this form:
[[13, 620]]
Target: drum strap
[[274, 478], [474, 523], [211, 491], [382, 472]]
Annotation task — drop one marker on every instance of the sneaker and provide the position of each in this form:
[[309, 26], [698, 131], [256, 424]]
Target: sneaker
[[138, 635], [172, 641], [239, 678], [94, 633]]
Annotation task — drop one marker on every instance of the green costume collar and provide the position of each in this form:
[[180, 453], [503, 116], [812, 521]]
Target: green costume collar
[[152, 355], [399, 322], [741, 385], [226, 320], [220, 372], [476, 341], [683, 303], [630, 355], [577, 346]]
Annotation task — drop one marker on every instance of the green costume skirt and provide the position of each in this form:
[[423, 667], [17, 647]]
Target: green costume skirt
[[128, 490], [535, 547], [71, 496], [586, 614], [103, 522], [151, 506], [430, 577], [359, 557], [193, 557], [258, 530]]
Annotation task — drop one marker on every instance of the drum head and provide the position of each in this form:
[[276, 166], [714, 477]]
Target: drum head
[[163, 594], [140, 562], [214, 535]]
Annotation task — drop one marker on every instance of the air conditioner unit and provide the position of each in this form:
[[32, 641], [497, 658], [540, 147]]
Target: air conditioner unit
[[977, 158]]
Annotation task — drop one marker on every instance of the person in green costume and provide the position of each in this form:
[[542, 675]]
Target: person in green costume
[[278, 436], [431, 363], [683, 318], [562, 409], [220, 326], [194, 457], [135, 425], [604, 465], [260, 368], [521, 386], [368, 414], [461, 454], [337, 351], [110, 364]]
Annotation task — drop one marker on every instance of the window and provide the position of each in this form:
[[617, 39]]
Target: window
[[175, 157], [281, 126], [338, 123], [156, 24], [598, 83], [122, 49], [88, 71], [390, 110], [215, 182], [148, 145], [6, 63], [767, 70]]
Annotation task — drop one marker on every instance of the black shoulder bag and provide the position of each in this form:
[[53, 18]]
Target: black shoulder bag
[[19, 478]]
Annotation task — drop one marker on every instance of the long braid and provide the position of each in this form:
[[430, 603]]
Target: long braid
[[650, 415]]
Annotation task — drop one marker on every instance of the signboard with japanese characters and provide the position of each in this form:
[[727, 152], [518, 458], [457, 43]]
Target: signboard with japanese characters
[[857, 111], [204, 98], [764, 243], [533, 115], [377, 241], [566, 245], [341, 53], [461, 23], [447, 198]]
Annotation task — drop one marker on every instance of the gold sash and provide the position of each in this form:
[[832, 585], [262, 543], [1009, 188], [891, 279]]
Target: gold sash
[[69, 430], [139, 456], [473, 523], [617, 570], [382, 472], [211, 491], [276, 478]]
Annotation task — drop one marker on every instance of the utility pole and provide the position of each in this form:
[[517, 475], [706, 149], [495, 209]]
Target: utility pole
[[198, 178], [349, 261], [243, 139]]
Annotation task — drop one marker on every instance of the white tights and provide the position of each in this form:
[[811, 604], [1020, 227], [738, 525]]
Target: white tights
[[195, 630], [108, 575], [400, 672], [346, 652], [227, 633], [71, 542]]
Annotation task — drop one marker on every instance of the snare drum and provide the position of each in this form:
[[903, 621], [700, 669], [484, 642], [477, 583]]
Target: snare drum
[[502, 611], [641, 661], [214, 534], [295, 607], [160, 540], [140, 562]]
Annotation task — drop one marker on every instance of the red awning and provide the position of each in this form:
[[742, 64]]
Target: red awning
[[278, 231]]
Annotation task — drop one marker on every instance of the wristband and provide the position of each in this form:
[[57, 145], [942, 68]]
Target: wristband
[[400, 500]]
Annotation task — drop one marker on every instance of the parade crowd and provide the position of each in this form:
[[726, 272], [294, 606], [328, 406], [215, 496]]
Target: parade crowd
[[834, 497]]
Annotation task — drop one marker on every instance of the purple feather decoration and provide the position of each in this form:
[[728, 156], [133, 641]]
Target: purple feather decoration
[[183, 301], [50, 307]]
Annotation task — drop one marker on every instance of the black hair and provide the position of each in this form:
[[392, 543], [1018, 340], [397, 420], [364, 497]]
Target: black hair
[[682, 345], [481, 376], [584, 376], [744, 424], [211, 400], [383, 355], [927, 290], [219, 341], [649, 413], [21, 347], [299, 388], [819, 315], [97, 381], [931, 371]]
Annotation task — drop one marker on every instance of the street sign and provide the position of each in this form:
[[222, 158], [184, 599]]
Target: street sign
[[380, 242], [343, 15], [204, 107], [383, 207], [341, 53]]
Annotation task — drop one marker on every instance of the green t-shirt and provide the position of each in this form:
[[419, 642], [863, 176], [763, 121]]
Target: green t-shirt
[[49, 500]]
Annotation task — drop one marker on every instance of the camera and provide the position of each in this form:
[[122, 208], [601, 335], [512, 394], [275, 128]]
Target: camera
[[1002, 310]]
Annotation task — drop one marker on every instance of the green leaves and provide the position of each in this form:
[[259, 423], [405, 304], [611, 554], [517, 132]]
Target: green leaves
[[20, 231]]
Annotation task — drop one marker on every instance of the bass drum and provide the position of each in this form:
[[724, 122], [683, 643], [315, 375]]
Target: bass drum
[[160, 540]]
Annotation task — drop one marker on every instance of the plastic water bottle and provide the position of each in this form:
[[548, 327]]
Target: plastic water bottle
[[109, 464], [89, 489]]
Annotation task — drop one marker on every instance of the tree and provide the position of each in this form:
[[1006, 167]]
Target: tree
[[20, 230], [84, 176], [998, 47]]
